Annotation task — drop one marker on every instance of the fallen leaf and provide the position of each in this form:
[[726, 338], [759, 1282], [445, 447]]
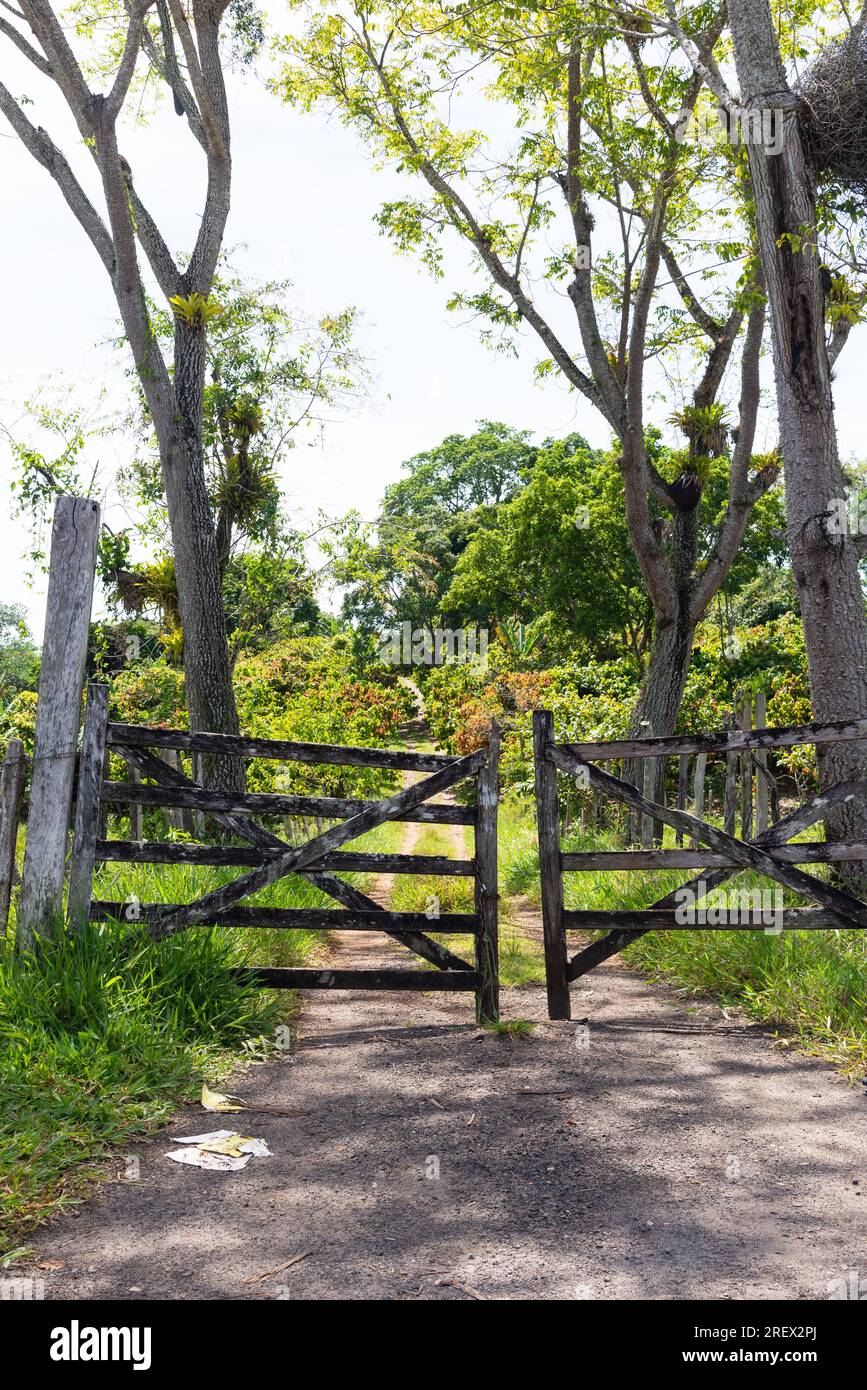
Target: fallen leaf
[[215, 1100]]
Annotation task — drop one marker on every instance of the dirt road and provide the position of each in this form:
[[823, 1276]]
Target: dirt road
[[671, 1158]]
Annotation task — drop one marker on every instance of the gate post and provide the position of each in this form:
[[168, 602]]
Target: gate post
[[72, 567], [548, 820], [87, 807], [487, 896]]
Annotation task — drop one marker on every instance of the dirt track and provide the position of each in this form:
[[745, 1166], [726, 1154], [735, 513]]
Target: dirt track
[[670, 1159]]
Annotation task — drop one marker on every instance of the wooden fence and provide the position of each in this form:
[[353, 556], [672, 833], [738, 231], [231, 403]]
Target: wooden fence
[[747, 792], [767, 853], [12, 778], [267, 857]]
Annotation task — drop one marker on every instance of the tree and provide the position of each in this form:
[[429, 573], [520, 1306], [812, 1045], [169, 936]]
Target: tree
[[401, 568], [824, 560], [559, 550], [269, 371], [19, 658], [598, 132], [183, 54]]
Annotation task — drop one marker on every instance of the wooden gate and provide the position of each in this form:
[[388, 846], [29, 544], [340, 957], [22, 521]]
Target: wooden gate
[[268, 858], [768, 853]]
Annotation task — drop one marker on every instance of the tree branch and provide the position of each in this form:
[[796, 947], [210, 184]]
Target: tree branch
[[132, 46], [30, 53], [46, 153]]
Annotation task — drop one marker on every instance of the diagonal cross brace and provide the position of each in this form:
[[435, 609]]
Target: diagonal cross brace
[[337, 888], [749, 855], [300, 857]]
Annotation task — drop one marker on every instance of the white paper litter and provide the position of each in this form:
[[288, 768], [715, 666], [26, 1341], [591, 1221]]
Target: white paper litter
[[208, 1150], [200, 1158]]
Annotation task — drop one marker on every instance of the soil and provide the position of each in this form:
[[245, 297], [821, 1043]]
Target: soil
[[679, 1155]]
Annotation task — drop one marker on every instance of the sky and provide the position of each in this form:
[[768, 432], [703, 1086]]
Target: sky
[[303, 202]]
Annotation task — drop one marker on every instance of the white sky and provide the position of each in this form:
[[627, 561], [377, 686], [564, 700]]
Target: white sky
[[304, 197]]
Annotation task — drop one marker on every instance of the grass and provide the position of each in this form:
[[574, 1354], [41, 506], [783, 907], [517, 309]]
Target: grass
[[811, 985], [511, 1027]]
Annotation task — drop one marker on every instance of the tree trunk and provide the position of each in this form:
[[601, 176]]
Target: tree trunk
[[825, 565], [656, 708], [207, 669]]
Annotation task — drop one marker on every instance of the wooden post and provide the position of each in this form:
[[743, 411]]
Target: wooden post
[[648, 786], [762, 800], [72, 568], [549, 868], [682, 789], [698, 787], [487, 896], [747, 773], [11, 791], [90, 770], [136, 809], [730, 800]]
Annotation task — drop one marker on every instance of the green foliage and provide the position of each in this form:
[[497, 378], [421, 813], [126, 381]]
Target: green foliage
[[196, 310], [400, 569], [19, 658], [307, 689], [558, 554], [150, 693]]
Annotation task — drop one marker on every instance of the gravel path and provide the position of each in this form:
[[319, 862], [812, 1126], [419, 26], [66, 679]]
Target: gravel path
[[675, 1157]]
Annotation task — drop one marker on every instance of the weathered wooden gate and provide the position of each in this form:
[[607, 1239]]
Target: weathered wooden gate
[[768, 853], [319, 860]]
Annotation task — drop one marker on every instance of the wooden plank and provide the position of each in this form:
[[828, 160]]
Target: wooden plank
[[272, 803], [548, 822], [649, 788], [282, 750], [12, 779], [486, 889], [795, 823], [609, 861], [748, 856], [427, 981], [258, 835], [730, 796], [136, 810], [698, 786], [303, 856], [682, 788], [341, 861], [762, 798], [396, 924], [746, 773], [72, 566], [720, 741], [640, 920], [86, 831]]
